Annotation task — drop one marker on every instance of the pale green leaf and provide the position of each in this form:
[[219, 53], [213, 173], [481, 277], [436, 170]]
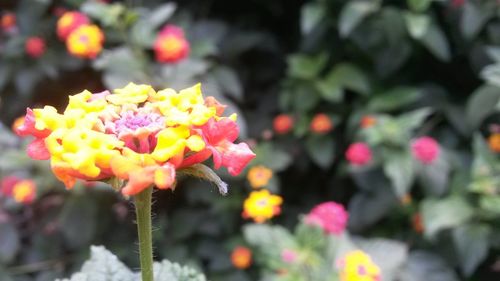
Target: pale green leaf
[[440, 214], [353, 13], [417, 24], [472, 244], [321, 149]]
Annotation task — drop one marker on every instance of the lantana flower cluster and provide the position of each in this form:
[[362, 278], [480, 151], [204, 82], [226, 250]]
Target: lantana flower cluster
[[329, 216], [23, 191], [134, 134], [358, 266], [83, 39]]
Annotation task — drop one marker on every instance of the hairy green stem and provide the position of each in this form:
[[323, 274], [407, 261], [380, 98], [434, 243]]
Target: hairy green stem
[[143, 211]]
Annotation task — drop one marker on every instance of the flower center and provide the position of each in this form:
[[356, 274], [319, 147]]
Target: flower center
[[137, 129]]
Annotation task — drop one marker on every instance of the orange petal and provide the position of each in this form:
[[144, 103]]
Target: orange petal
[[164, 176]]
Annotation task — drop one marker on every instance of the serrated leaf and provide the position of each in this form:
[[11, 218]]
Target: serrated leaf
[[353, 13], [102, 266], [426, 266], [440, 214], [472, 244], [321, 149], [168, 271]]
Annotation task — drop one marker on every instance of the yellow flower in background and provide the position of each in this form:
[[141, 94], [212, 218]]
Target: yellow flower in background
[[24, 191], [262, 205], [259, 176], [358, 266], [85, 41]]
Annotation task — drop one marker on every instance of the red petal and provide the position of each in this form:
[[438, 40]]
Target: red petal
[[37, 150], [28, 127]]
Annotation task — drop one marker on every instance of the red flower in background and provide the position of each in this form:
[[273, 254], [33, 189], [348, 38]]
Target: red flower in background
[[170, 45], [457, 3], [241, 257], [368, 121], [68, 22], [35, 47], [358, 154], [283, 123], [21, 190], [8, 21], [425, 149], [321, 124]]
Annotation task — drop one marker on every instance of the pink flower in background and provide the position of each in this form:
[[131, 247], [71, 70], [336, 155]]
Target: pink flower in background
[[35, 47], [288, 256], [358, 154], [425, 149], [330, 216]]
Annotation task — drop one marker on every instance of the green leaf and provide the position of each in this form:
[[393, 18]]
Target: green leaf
[[78, 220], [472, 244], [491, 74], [311, 14], [423, 265], [107, 14], [436, 42], [399, 168], [306, 67], [434, 177], [377, 249], [353, 13], [413, 119], [440, 214], [161, 14], [394, 99], [272, 157], [419, 5], [9, 242], [229, 82], [474, 16], [270, 240], [321, 149], [366, 208], [351, 77], [417, 24], [102, 266], [168, 271], [485, 169], [481, 103]]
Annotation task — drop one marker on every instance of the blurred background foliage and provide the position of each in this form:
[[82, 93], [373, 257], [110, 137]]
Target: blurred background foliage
[[335, 72]]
